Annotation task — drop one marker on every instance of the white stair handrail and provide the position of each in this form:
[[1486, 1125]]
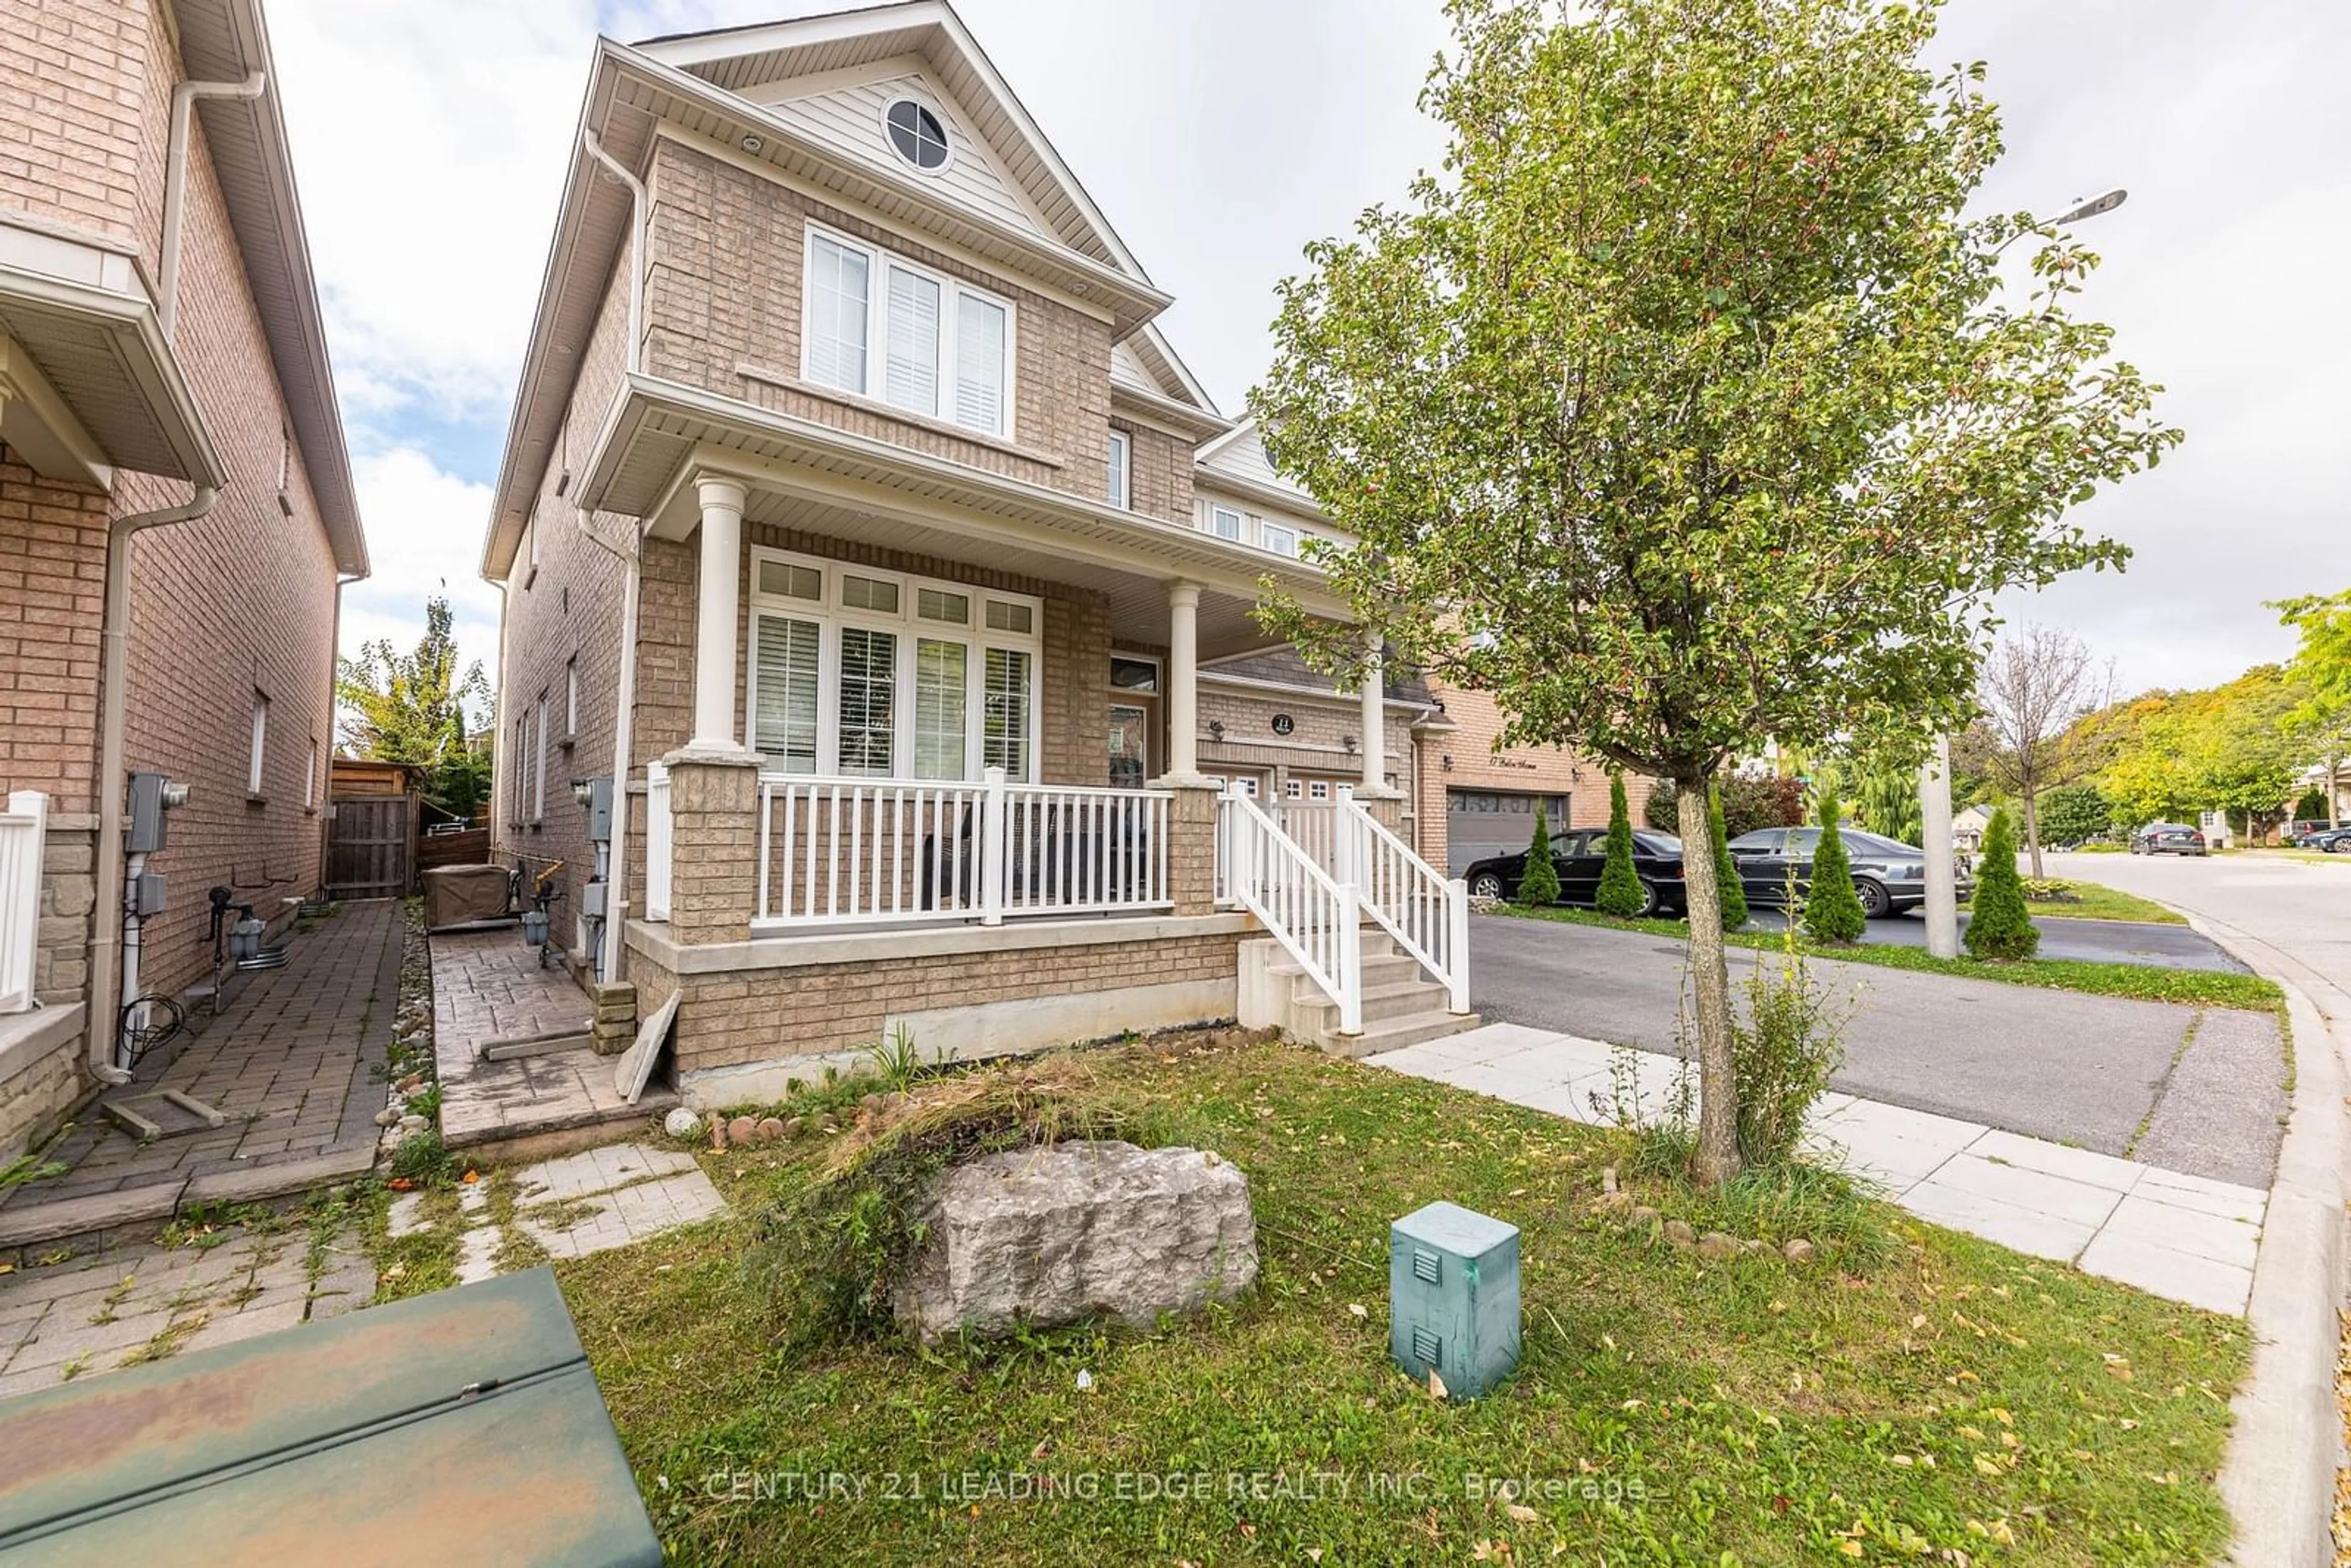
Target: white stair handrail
[[1425, 911], [23, 825], [1319, 922]]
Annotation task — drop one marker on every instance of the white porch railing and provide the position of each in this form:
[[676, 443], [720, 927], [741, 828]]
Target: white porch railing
[[1319, 922], [657, 841], [21, 828], [1426, 913], [913, 850]]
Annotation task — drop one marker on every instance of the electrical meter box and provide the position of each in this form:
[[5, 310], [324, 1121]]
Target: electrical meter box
[[1453, 1298], [600, 809], [591, 900], [147, 895], [151, 795]]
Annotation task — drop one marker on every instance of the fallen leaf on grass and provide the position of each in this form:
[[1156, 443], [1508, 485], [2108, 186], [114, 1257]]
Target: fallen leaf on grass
[[1435, 1384], [1355, 1309], [1519, 1511]]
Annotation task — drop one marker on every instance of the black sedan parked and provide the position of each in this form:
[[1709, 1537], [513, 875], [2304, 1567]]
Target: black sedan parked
[[1578, 856], [2166, 839], [1888, 876], [2333, 841]]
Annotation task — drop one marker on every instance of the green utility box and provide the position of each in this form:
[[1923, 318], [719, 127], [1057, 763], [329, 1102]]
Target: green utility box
[[1453, 1298]]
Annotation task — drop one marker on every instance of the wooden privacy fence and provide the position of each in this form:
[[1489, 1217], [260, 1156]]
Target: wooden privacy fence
[[371, 848]]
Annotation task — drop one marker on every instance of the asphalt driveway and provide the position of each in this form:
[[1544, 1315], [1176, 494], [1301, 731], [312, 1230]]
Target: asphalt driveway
[[2193, 1090], [2102, 941]]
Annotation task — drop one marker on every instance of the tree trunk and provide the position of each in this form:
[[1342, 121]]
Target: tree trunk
[[2033, 831], [1717, 1118]]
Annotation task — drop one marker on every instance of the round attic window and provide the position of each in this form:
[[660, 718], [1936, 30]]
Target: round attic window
[[917, 135]]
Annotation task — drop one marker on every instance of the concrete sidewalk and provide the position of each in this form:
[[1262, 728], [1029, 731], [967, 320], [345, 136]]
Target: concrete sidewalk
[[2186, 1237]]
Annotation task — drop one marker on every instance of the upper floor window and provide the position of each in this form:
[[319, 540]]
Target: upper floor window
[[917, 135], [1120, 448], [260, 752], [1278, 539], [946, 347], [1225, 522]]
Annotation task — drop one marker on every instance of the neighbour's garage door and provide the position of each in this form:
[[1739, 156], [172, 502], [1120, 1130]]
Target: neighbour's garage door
[[1482, 822]]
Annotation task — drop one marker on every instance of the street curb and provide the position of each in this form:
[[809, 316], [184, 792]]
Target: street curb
[[2278, 1476]]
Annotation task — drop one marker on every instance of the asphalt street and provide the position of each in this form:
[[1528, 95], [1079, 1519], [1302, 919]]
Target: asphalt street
[[2193, 1090], [2107, 941]]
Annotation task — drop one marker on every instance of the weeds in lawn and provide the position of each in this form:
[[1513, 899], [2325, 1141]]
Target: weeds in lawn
[[1782, 1053], [421, 1160], [895, 1060]]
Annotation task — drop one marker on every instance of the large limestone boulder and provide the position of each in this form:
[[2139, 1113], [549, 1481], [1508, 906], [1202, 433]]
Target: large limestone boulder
[[1048, 1236]]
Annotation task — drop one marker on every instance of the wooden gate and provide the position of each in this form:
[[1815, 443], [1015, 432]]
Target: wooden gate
[[371, 847]]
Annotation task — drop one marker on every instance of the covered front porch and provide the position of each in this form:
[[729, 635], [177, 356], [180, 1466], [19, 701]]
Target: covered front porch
[[933, 768]]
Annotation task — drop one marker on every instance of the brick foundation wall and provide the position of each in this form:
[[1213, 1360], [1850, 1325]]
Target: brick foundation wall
[[759, 1015], [36, 1098]]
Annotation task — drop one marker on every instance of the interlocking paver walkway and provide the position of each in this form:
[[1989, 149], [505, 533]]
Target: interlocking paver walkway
[[2186, 1237], [96, 1312], [600, 1198], [289, 1061]]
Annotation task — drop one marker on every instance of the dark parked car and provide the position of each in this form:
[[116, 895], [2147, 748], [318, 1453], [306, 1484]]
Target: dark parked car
[[1579, 856], [2168, 838], [2333, 841], [1888, 876]]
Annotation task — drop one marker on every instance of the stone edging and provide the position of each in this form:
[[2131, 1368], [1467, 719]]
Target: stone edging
[[2278, 1476]]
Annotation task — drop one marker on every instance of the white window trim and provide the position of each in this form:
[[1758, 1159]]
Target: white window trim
[[953, 291], [257, 763], [1267, 527], [1217, 513], [310, 779], [1122, 490], [831, 618], [538, 766], [571, 696]]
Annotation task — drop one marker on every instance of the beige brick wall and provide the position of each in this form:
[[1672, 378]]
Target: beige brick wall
[[1314, 748], [764, 1016], [52, 591], [725, 295], [1478, 763], [75, 86]]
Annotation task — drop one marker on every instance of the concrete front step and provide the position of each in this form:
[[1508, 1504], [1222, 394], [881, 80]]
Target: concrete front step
[[1394, 1034]]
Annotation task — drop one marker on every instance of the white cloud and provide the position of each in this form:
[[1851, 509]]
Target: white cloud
[[425, 532]]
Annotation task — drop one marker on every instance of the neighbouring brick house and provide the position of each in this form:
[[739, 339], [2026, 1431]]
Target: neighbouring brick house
[[175, 512]]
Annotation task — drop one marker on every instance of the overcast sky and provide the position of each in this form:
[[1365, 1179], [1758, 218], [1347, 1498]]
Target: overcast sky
[[1220, 135]]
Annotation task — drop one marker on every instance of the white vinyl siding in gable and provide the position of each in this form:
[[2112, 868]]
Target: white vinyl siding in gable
[[850, 119], [945, 345]]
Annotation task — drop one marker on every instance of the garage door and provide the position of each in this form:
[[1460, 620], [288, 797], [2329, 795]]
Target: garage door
[[1483, 823]]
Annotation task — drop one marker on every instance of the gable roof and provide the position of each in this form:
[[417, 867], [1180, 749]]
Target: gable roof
[[743, 59], [224, 40], [1237, 460]]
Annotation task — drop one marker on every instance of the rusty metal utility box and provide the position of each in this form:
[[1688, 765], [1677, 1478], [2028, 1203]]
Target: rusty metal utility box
[[462, 1427], [1453, 1298]]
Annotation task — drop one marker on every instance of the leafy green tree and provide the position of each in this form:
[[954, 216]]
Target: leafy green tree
[[1684, 410], [1620, 893], [2075, 814], [1541, 882], [1833, 911], [1998, 925], [1885, 801], [1726, 869], [2322, 720], [411, 709]]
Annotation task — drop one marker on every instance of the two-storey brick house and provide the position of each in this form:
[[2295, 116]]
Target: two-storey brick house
[[176, 511], [858, 517]]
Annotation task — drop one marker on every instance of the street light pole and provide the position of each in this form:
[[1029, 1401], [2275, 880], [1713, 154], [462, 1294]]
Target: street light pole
[[1942, 879], [1942, 908]]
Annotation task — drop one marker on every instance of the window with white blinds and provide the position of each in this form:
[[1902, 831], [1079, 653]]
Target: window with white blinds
[[946, 347], [887, 675]]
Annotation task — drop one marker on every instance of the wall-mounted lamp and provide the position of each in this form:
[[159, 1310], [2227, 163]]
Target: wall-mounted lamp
[[1446, 760], [752, 144], [1574, 774], [1215, 729], [1349, 742]]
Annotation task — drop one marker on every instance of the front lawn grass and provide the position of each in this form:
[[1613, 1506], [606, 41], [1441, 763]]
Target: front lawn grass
[[1931, 1398], [2143, 982], [2088, 901]]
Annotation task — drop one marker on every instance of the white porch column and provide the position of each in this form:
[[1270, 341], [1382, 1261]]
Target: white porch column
[[1184, 680], [1376, 725], [718, 605]]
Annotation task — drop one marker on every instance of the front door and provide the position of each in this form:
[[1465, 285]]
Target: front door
[[1130, 746]]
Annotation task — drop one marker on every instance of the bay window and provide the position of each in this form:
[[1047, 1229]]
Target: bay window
[[946, 347], [878, 675]]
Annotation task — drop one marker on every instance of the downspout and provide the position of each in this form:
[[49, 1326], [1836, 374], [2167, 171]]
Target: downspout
[[175, 182], [114, 680], [616, 896]]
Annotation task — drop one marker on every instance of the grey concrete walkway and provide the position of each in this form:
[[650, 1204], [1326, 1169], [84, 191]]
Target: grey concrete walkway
[[2182, 1237], [2198, 1090]]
